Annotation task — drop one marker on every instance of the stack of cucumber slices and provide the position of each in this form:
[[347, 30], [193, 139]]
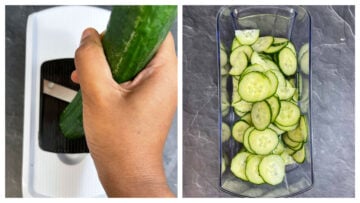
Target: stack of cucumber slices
[[271, 127]]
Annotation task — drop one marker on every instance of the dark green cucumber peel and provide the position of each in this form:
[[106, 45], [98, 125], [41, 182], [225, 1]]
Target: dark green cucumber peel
[[133, 35]]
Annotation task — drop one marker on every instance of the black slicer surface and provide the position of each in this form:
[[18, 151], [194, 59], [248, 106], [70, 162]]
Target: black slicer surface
[[50, 137]]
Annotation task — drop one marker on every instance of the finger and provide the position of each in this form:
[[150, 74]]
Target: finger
[[165, 58], [92, 69], [74, 77]]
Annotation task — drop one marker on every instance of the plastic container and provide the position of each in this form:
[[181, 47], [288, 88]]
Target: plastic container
[[291, 22]]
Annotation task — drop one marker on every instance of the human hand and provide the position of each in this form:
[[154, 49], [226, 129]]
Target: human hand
[[126, 124]]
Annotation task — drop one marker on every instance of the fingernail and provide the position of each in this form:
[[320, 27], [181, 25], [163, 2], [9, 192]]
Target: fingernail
[[85, 34]]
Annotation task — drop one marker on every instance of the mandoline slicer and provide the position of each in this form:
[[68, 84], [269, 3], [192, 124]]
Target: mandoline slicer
[[52, 165]]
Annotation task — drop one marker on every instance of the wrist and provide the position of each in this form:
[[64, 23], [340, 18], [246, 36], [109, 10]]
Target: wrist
[[142, 177]]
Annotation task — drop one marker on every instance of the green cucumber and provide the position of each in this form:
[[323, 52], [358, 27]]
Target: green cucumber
[[133, 35]]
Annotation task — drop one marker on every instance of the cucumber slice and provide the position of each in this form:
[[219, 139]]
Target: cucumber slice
[[300, 133], [223, 58], [254, 87], [238, 165], [280, 40], [289, 151], [238, 130], [263, 142], [225, 132], [247, 118], [286, 128], [273, 81], [276, 129], [291, 47], [235, 44], [304, 48], [239, 113], [252, 169], [223, 165], [224, 70], [289, 114], [292, 144], [304, 63], [274, 104], [239, 62], [285, 92], [287, 158], [235, 93], [246, 49], [280, 78], [246, 139], [225, 104], [247, 37], [262, 43], [253, 68], [279, 148], [261, 115], [287, 61], [243, 106], [299, 156], [272, 169], [275, 47]]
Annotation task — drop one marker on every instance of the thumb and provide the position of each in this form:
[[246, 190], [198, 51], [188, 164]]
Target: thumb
[[92, 70]]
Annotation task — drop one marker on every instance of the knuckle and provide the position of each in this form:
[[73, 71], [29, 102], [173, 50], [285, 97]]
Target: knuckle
[[86, 49]]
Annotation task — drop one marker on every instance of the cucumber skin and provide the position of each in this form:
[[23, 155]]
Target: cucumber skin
[[132, 37]]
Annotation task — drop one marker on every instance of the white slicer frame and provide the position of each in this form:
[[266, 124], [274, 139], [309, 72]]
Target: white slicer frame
[[55, 34]]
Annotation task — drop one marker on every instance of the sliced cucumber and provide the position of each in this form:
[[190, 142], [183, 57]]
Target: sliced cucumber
[[275, 47], [247, 118], [262, 43], [291, 47], [287, 61], [272, 169], [304, 63], [247, 50], [263, 142], [276, 129], [254, 86], [304, 48], [274, 104], [238, 60], [223, 165], [223, 58], [279, 148], [235, 44], [246, 139], [287, 158], [280, 40], [273, 81], [243, 106], [289, 114], [247, 37], [252, 169], [299, 156], [225, 132], [286, 128], [238, 165], [238, 130], [254, 68], [292, 144], [261, 115], [235, 94], [265, 97], [285, 92]]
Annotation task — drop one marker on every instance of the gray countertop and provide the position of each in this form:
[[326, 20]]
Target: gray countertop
[[16, 17], [333, 64]]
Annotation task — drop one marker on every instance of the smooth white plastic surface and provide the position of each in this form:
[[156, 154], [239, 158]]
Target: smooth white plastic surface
[[54, 34]]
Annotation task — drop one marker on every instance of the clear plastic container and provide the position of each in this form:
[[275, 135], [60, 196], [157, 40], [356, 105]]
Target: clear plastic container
[[294, 23]]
